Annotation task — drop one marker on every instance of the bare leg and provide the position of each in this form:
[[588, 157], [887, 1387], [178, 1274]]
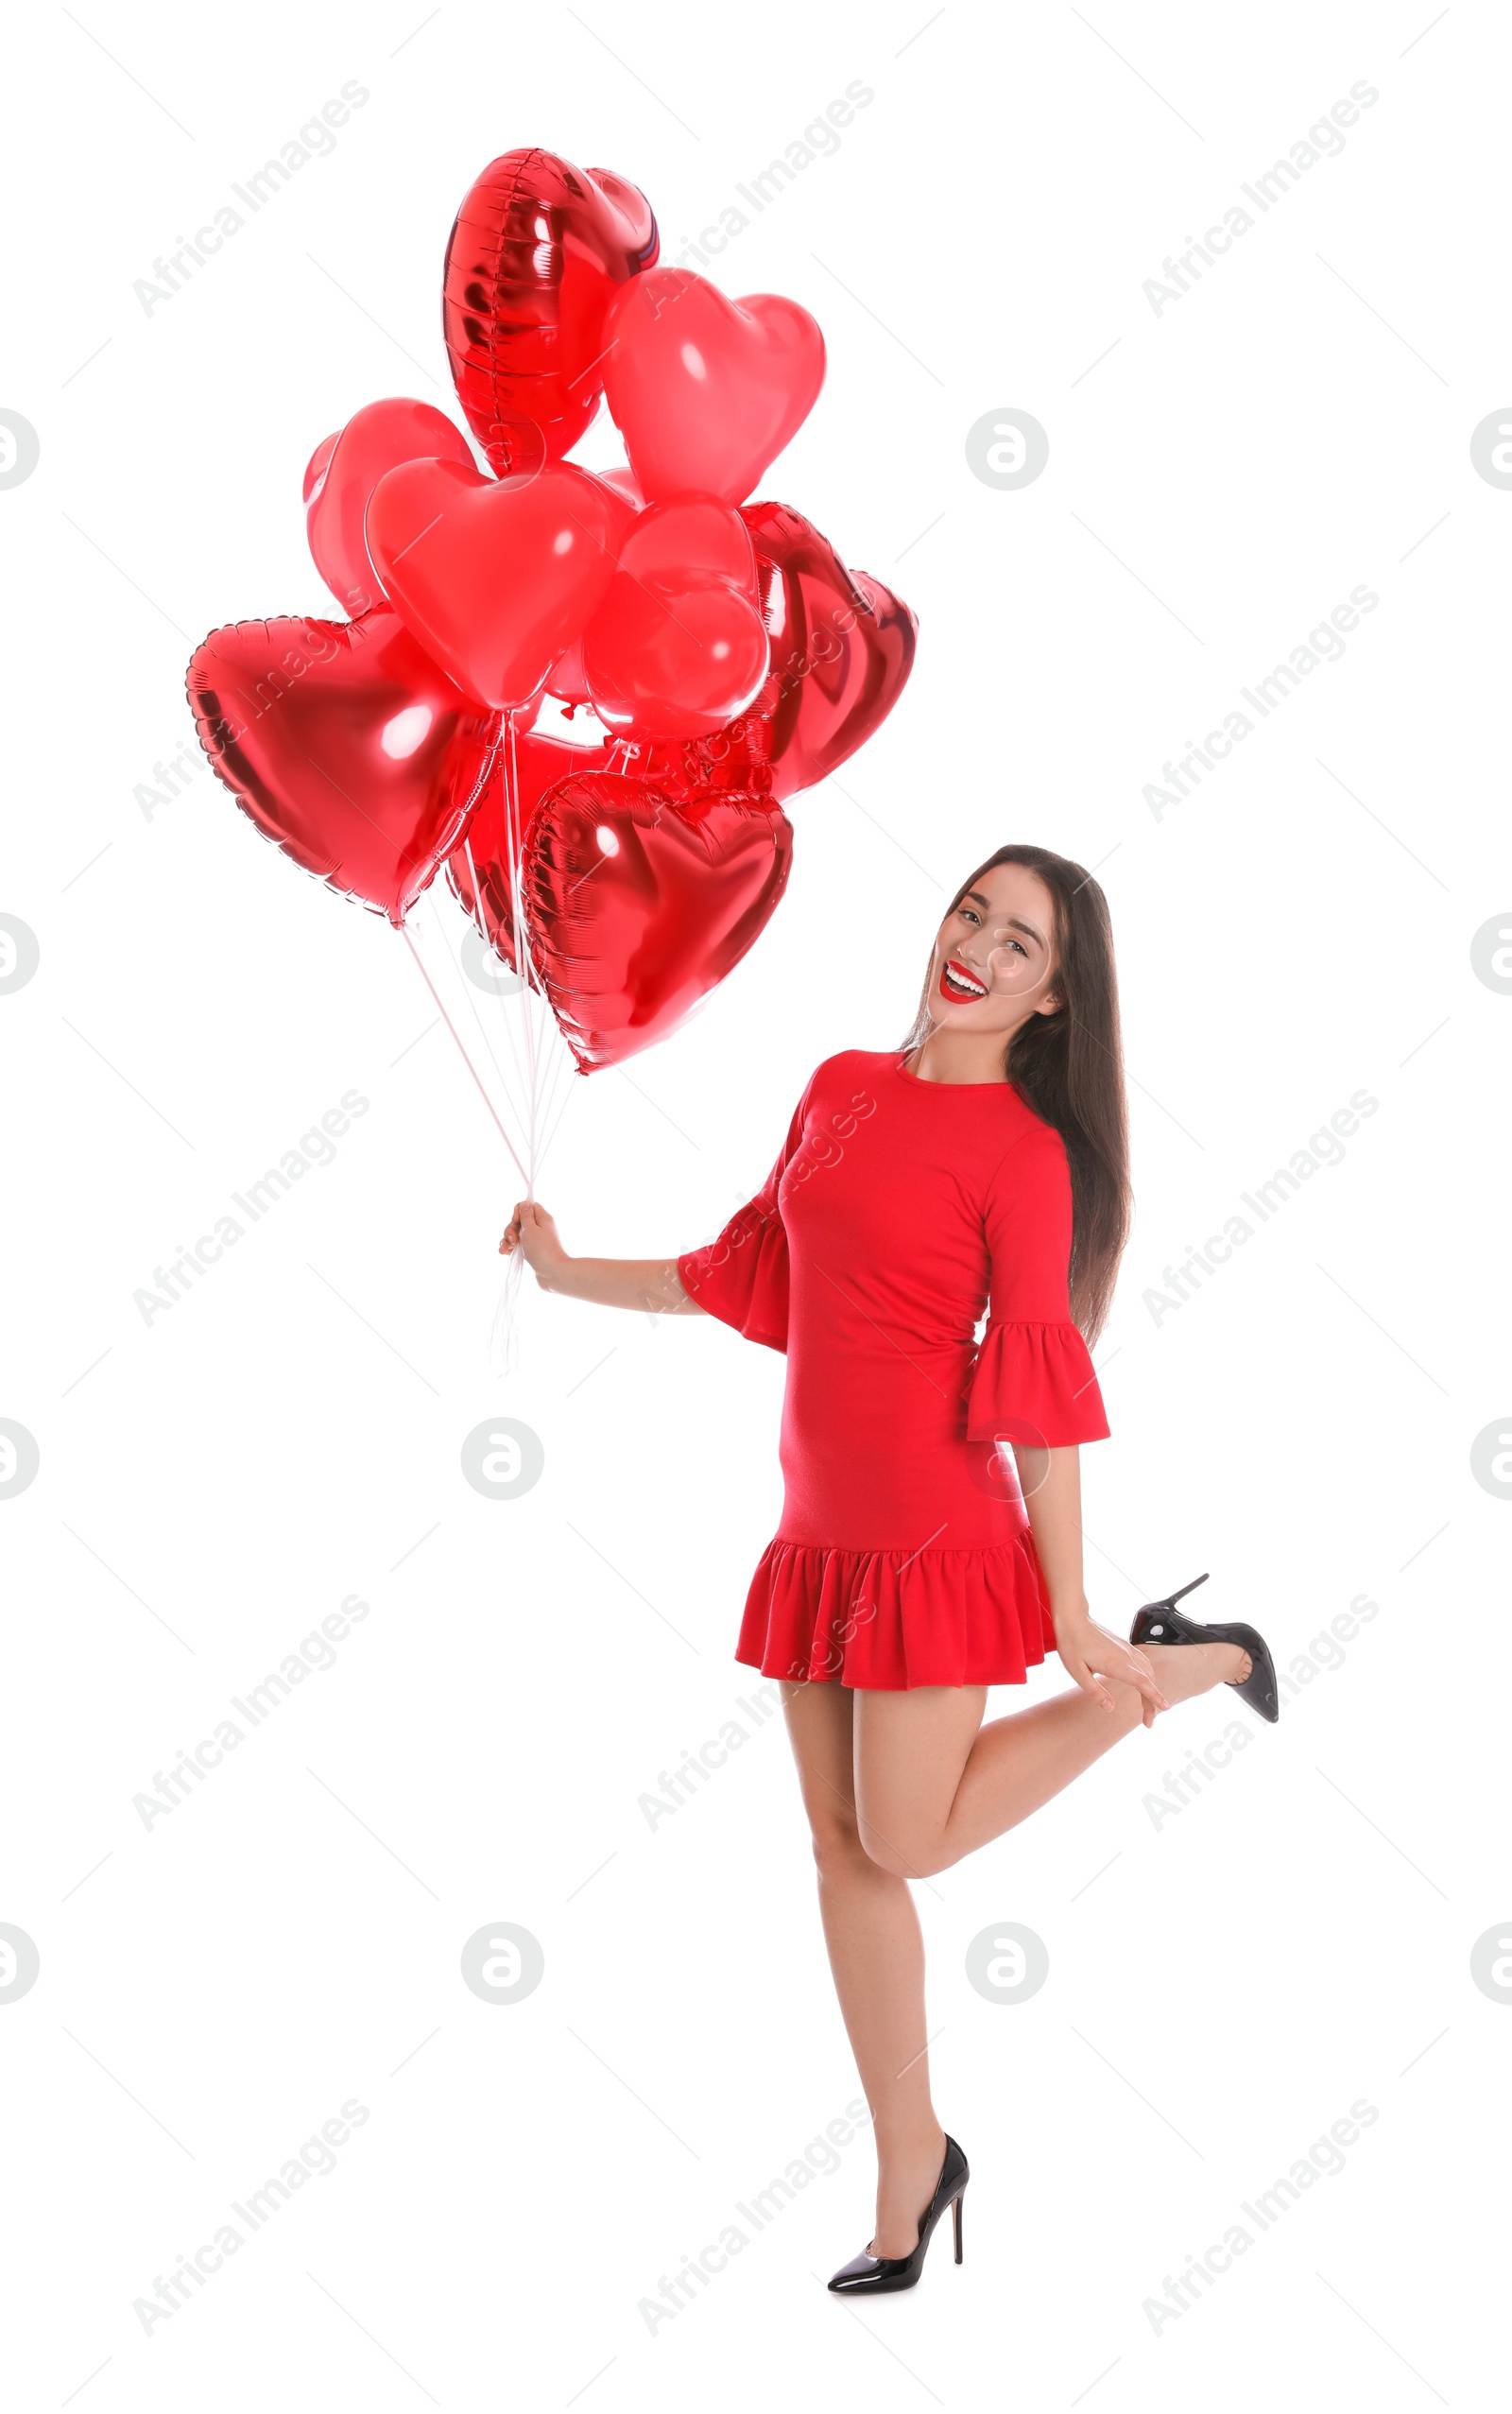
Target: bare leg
[[933, 1783], [877, 1956]]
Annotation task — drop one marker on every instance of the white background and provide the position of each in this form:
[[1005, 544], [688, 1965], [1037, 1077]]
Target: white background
[[1222, 1986]]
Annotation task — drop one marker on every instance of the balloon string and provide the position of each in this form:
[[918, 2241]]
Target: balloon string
[[466, 987], [504, 1340], [524, 965], [520, 1076], [462, 1052]]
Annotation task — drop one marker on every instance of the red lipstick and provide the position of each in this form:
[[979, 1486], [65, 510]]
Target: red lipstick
[[972, 986]]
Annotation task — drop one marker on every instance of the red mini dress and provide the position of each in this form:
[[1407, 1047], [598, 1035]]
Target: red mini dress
[[899, 1212]]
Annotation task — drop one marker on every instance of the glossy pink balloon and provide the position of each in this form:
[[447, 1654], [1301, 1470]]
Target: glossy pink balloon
[[704, 390], [495, 576], [567, 680], [678, 646], [842, 646], [342, 473]]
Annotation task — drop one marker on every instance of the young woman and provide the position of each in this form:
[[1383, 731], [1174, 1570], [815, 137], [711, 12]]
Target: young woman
[[931, 1537]]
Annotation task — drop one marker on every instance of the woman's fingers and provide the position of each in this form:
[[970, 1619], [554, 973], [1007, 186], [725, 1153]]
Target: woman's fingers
[[1090, 1682], [1117, 1661], [1130, 1665], [1149, 1692], [1143, 1674]]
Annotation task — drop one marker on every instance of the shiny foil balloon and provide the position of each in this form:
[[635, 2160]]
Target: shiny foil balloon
[[842, 646], [537, 255], [342, 473], [495, 576], [540, 763], [678, 646], [842, 649], [346, 745], [707, 391], [636, 906]]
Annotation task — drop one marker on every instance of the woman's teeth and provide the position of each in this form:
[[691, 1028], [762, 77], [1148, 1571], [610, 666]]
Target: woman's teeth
[[961, 985]]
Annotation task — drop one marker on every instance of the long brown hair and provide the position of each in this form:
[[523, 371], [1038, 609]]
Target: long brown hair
[[1068, 1067]]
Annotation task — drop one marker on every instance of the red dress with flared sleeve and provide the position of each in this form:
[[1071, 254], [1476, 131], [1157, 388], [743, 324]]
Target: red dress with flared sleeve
[[899, 1212]]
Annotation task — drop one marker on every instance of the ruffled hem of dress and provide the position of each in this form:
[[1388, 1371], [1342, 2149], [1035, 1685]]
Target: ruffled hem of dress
[[887, 1621], [1033, 1384], [743, 1277]]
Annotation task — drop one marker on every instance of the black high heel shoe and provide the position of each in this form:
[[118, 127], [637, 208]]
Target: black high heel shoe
[[1163, 1622], [869, 2275]]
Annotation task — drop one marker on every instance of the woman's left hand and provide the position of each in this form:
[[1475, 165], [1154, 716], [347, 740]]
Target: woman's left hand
[[534, 1233], [1093, 1657]]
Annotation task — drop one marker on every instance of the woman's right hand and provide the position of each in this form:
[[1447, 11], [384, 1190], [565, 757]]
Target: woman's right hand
[[533, 1232], [1094, 1657]]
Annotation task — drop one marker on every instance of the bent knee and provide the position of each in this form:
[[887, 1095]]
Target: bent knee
[[904, 1855]]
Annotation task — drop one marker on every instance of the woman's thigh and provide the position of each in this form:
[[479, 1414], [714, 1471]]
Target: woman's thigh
[[821, 1729], [910, 1750]]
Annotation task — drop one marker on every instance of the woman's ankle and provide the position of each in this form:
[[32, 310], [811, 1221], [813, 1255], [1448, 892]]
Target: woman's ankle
[[1184, 1670], [905, 2141]]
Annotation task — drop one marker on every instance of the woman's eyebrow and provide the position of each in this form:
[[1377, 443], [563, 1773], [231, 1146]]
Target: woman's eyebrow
[[1010, 922]]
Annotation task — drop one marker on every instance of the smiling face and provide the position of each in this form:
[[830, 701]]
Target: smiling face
[[994, 957]]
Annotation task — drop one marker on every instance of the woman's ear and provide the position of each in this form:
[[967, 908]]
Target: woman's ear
[[1049, 1004]]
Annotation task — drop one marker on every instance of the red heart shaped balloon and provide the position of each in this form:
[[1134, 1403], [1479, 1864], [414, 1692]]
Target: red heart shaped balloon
[[346, 745], [495, 576], [672, 546], [539, 251], [567, 680], [842, 649], [342, 473], [706, 391], [478, 870], [842, 646], [678, 646], [636, 906]]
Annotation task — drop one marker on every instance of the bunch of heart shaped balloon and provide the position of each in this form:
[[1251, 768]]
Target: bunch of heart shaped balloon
[[725, 655]]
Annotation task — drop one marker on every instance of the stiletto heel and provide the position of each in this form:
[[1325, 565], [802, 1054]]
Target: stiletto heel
[[869, 2275], [1163, 1622], [1172, 1599]]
